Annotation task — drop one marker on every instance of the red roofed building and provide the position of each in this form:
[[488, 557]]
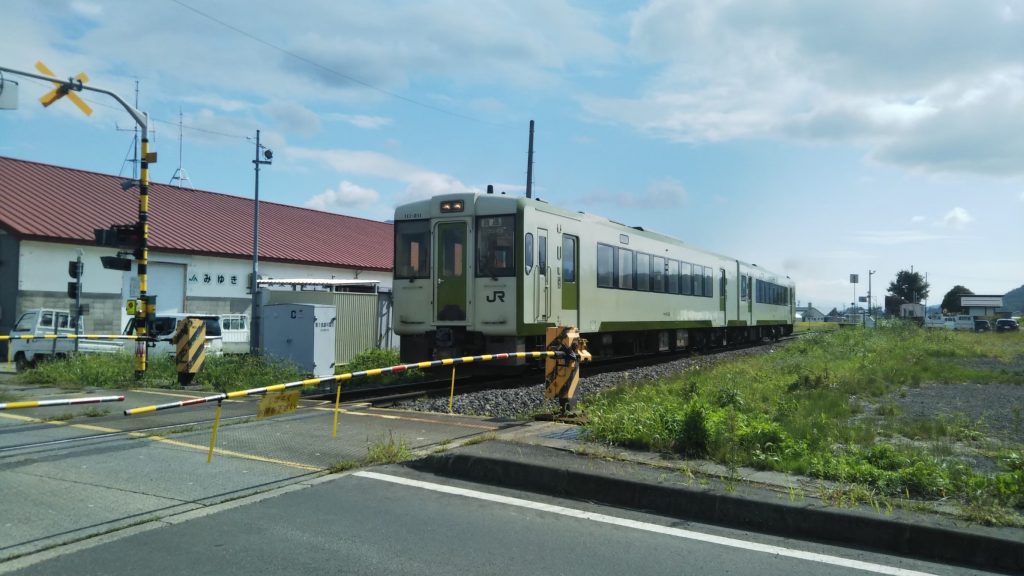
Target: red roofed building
[[200, 245]]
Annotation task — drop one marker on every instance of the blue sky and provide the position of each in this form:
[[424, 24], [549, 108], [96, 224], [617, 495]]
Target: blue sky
[[817, 139]]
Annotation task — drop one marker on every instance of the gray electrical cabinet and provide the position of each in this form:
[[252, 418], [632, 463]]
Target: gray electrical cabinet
[[301, 333]]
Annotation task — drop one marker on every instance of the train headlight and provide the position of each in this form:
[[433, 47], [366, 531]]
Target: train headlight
[[452, 206]]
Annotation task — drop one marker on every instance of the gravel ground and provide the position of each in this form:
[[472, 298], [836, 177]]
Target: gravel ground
[[518, 402], [998, 409]]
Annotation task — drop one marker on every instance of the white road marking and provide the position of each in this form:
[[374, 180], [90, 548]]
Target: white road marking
[[677, 532]]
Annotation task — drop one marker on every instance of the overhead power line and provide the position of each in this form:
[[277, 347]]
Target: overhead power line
[[328, 69]]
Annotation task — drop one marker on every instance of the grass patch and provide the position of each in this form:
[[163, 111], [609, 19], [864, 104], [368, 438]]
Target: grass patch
[[377, 358], [95, 412], [62, 417], [388, 451], [117, 371], [801, 409]]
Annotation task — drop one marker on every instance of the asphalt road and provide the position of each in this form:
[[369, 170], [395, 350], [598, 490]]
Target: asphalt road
[[392, 520]]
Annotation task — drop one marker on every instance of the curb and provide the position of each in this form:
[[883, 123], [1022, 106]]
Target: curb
[[557, 473]]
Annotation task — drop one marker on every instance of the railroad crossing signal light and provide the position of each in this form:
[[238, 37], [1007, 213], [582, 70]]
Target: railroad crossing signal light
[[62, 89], [73, 290], [118, 236], [75, 269]]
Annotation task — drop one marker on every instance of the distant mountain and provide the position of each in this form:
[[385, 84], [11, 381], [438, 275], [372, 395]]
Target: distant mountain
[[1014, 300]]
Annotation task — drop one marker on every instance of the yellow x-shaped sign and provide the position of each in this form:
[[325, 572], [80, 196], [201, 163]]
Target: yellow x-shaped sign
[[61, 90]]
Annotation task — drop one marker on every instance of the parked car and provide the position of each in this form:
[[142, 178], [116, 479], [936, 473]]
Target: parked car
[[41, 323], [164, 326], [982, 326], [963, 322], [1007, 325]]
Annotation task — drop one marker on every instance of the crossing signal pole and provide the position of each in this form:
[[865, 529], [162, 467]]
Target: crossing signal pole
[[69, 88], [75, 270]]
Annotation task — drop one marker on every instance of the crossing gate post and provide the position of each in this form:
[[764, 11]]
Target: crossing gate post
[[190, 349], [562, 374]]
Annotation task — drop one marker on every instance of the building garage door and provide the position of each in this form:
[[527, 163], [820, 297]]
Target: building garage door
[[167, 281]]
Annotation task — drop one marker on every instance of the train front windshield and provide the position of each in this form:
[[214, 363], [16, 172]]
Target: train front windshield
[[412, 249], [495, 241]]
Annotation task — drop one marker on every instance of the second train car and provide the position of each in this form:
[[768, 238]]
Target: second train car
[[487, 273]]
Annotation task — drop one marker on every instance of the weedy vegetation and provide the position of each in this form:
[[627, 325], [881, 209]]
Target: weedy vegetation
[[801, 409]]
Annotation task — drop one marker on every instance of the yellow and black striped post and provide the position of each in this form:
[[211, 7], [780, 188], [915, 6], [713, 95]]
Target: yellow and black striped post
[[142, 255], [190, 349]]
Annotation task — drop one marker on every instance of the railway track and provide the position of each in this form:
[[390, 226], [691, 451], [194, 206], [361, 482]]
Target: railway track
[[397, 394]]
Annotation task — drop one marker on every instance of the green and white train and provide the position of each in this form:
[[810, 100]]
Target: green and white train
[[486, 273]]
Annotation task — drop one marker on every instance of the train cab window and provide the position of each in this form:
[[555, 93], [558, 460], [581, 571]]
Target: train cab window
[[709, 282], [685, 281], [643, 272], [528, 253], [568, 259], [412, 249], [672, 277], [542, 255], [743, 287], [625, 269], [657, 274], [605, 266], [495, 246]]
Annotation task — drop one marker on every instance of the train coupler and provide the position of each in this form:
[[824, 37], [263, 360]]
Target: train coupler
[[562, 373]]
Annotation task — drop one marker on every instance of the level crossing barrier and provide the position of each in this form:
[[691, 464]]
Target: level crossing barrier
[[59, 402], [339, 378]]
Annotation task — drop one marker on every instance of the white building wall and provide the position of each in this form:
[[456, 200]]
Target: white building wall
[[208, 279]]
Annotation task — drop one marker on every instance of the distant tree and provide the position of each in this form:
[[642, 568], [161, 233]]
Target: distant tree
[[910, 286], [951, 302], [834, 312], [892, 304]]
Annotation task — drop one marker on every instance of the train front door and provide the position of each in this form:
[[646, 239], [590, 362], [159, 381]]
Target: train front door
[[570, 315], [542, 290], [450, 295]]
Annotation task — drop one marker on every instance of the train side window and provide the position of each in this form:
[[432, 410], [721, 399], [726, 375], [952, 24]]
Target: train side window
[[698, 280], [605, 266], [495, 241], [625, 269], [568, 258], [643, 272], [743, 287], [685, 282], [657, 274], [709, 282], [528, 252], [412, 249], [672, 277], [542, 255]]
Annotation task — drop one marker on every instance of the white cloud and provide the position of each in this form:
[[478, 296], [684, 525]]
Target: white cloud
[[362, 120], [894, 237], [933, 88], [420, 183], [87, 9], [957, 218], [293, 117], [659, 195], [917, 219], [346, 197]]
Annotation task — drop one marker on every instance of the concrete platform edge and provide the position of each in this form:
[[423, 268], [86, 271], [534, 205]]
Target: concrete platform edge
[[559, 473]]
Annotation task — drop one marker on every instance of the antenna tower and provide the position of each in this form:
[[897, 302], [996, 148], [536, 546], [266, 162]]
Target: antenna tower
[[180, 174]]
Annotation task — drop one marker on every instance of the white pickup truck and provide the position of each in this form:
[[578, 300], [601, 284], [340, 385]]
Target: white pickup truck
[[40, 323]]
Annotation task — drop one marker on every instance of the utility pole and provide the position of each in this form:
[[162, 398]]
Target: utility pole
[[529, 165], [254, 321], [870, 274]]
